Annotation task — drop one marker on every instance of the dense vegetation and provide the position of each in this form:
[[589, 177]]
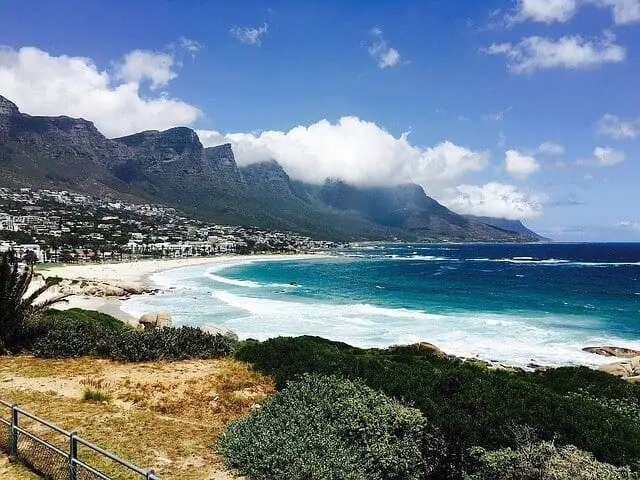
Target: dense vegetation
[[323, 427], [19, 303], [74, 333], [471, 405]]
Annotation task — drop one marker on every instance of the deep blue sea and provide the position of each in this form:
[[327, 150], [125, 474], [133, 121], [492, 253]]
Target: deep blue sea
[[513, 303]]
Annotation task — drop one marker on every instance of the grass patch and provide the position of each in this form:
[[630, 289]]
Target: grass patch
[[95, 390], [163, 415]]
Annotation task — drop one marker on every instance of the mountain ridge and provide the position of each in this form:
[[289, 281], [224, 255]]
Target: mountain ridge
[[174, 168]]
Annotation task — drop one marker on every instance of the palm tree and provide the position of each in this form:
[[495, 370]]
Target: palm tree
[[17, 304]]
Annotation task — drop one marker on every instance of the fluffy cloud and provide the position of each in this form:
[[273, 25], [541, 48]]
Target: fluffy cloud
[[362, 153], [190, 45], [628, 225], [549, 11], [520, 165], [140, 65], [44, 84], [614, 126], [381, 51], [551, 148], [624, 11], [571, 52], [607, 157], [496, 199], [354, 150], [248, 35]]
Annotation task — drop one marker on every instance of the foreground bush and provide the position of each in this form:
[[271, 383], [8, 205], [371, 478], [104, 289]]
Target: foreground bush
[[542, 461], [80, 332], [331, 428], [471, 405]]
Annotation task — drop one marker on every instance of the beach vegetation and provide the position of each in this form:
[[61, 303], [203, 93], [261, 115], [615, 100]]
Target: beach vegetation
[[472, 405], [95, 390], [19, 302], [321, 427], [77, 333]]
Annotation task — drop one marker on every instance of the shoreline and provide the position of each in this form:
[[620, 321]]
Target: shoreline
[[138, 273]]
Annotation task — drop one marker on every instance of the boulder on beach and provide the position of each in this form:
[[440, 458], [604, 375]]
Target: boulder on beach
[[219, 330], [609, 351], [627, 369], [155, 320]]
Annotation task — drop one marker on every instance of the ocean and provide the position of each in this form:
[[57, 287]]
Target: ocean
[[516, 304]]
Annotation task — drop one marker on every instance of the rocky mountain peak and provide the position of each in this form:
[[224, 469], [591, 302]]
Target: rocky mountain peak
[[7, 107]]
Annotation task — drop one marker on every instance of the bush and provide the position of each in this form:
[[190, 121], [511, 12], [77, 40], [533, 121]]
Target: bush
[[76, 333], [325, 427], [470, 404], [542, 461], [168, 344]]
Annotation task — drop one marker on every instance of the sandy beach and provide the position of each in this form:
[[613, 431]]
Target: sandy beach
[[137, 273]]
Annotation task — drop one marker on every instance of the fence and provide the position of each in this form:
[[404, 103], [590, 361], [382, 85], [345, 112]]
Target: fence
[[58, 454]]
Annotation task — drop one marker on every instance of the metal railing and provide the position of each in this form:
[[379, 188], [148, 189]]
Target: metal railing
[[54, 452]]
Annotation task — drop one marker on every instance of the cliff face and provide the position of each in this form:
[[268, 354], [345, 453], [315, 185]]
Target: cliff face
[[173, 167]]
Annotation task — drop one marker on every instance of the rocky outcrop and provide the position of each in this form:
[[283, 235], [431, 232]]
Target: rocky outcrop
[[155, 320], [627, 369], [429, 348], [608, 351], [220, 330], [94, 288]]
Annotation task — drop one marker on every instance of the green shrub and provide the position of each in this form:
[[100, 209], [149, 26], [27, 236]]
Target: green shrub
[[325, 427], [65, 337], [470, 404], [542, 461], [168, 344], [96, 395], [76, 333]]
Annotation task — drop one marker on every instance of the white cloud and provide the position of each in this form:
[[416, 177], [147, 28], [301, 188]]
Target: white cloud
[[551, 148], [44, 84], [624, 11], [381, 51], [498, 116], [607, 157], [248, 35], [520, 165], [547, 11], [614, 126], [190, 45], [496, 199], [628, 225], [571, 52], [140, 65], [353, 150], [362, 153]]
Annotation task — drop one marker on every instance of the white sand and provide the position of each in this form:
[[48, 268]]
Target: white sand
[[137, 272]]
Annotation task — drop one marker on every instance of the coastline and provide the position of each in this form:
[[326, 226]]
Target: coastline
[[138, 273]]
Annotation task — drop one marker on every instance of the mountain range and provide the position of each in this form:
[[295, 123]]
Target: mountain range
[[172, 167]]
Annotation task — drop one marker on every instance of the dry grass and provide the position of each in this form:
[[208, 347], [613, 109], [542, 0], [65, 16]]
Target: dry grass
[[163, 415], [10, 470]]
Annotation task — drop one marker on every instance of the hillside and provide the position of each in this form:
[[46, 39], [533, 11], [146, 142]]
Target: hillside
[[172, 167], [515, 226]]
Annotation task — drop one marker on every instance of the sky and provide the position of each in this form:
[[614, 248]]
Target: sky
[[522, 109]]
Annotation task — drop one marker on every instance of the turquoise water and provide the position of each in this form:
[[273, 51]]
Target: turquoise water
[[519, 304]]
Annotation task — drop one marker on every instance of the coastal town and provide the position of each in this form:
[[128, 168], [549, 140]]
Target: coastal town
[[52, 226]]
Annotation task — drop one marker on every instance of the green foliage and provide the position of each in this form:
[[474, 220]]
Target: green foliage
[[325, 427], [17, 308], [470, 404], [542, 461], [168, 344], [96, 395], [76, 333], [81, 315]]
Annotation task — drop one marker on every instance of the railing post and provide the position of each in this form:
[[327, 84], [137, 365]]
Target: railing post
[[151, 475], [73, 455], [14, 430]]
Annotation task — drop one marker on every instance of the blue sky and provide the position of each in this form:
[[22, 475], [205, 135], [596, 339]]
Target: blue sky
[[526, 109]]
